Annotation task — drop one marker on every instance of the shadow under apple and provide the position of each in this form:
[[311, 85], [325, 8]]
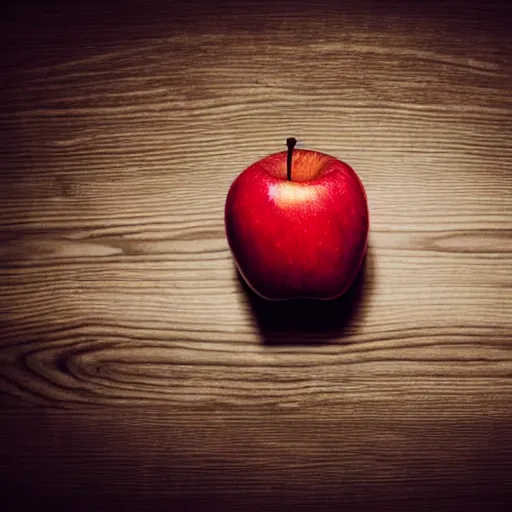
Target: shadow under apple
[[309, 321]]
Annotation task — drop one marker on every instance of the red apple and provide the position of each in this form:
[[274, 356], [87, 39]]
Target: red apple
[[297, 225]]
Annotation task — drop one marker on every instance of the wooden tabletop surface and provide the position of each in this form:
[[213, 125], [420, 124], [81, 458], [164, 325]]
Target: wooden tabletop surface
[[137, 372]]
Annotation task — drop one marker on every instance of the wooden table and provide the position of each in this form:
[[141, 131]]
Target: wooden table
[[137, 373]]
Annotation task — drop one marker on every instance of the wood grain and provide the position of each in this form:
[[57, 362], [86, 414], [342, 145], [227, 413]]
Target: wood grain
[[136, 370]]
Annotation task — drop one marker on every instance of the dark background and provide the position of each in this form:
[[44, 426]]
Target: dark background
[[137, 372]]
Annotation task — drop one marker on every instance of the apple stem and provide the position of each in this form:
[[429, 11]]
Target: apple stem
[[291, 144]]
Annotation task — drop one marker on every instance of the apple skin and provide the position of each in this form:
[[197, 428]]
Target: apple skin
[[304, 238]]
